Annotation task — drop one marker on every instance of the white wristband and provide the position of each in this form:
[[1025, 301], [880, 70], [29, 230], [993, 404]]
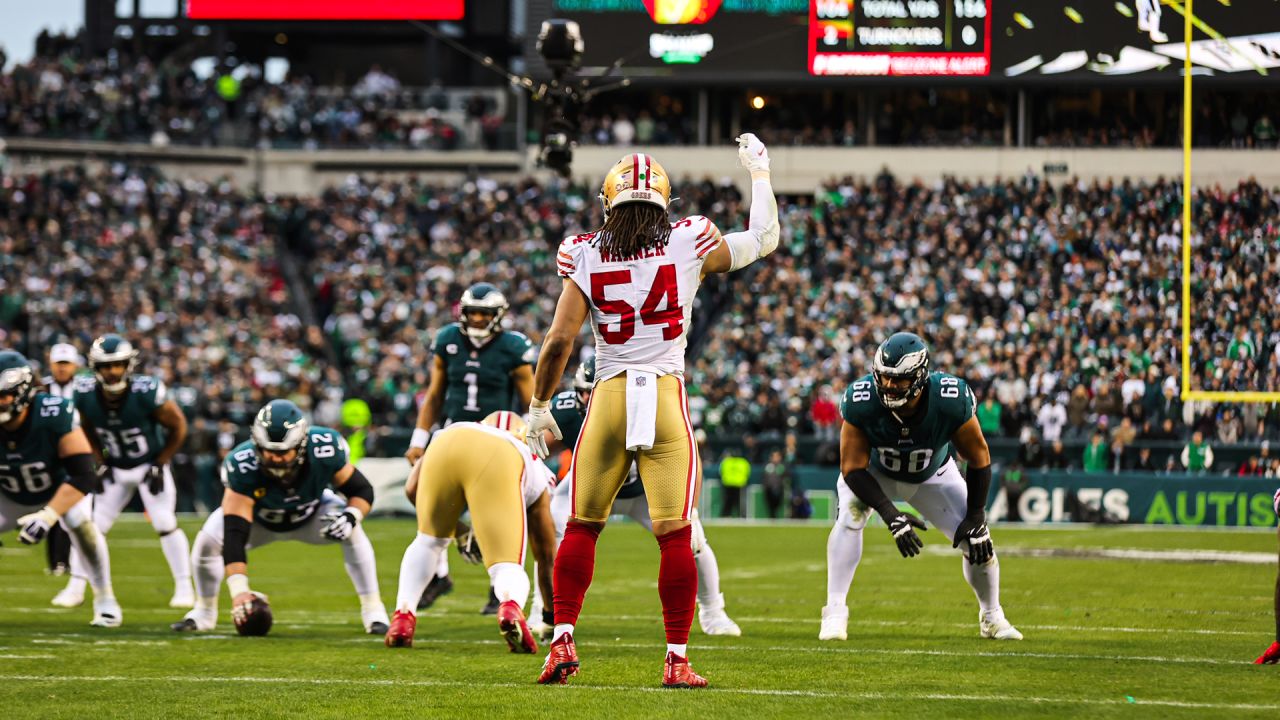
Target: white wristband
[[238, 584], [420, 438], [536, 404], [354, 511]]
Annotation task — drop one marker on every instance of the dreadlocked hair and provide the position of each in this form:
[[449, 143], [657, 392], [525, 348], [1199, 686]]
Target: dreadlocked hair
[[632, 228]]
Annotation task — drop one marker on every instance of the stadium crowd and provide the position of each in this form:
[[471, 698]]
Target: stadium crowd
[[1059, 303]]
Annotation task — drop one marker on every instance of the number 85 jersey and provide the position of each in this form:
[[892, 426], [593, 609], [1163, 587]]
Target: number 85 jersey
[[279, 507], [640, 306], [913, 451]]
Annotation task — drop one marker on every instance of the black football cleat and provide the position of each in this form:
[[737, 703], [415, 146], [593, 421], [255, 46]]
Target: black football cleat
[[439, 586]]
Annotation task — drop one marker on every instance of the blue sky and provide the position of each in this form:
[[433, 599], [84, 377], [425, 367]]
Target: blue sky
[[23, 19]]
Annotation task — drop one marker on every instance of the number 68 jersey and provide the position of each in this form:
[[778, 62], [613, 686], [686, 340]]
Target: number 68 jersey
[[276, 506], [913, 451], [640, 306]]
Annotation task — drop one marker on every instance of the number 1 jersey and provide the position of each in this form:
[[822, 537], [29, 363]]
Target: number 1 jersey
[[641, 306]]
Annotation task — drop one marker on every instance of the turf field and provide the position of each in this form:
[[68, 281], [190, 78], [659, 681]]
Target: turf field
[[1106, 637]]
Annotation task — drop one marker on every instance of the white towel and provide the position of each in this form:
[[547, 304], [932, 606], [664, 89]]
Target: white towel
[[642, 408]]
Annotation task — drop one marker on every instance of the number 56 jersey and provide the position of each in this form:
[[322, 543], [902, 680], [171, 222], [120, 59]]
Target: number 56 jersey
[[640, 306], [279, 507], [913, 451]]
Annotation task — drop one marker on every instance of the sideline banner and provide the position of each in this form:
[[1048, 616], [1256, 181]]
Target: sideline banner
[[1212, 500]]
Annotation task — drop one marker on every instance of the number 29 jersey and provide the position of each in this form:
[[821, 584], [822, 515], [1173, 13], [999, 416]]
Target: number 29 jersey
[[641, 306], [913, 451]]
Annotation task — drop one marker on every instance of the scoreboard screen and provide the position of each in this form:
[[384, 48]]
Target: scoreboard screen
[[900, 37], [325, 9]]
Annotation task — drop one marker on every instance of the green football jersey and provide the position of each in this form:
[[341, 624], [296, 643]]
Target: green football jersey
[[128, 433], [478, 379], [913, 451], [275, 506], [30, 469], [569, 415]]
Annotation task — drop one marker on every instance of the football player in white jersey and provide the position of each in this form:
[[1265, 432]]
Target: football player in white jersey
[[636, 279]]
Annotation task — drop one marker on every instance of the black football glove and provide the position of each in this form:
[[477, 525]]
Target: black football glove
[[974, 529], [105, 477], [469, 548], [155, 479], [903, 526]]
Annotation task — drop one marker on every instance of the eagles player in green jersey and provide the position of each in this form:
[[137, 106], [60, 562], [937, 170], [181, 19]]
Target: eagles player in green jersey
[[570, 410], [476, 367], [280, 486], [900, 423], [46, 469], [136, 429]]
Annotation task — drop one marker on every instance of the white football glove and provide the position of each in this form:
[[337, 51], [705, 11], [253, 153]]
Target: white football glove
[[34, 526], [752, 153], [339, 525], [540, 419]]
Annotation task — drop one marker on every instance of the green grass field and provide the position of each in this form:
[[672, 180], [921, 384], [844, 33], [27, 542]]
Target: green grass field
[[1105, 637]]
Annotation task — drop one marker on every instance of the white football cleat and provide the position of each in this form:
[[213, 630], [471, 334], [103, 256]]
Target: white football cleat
[[835, 623], [197, 620], [717, 622], [183, 597], [68, 598], [106, 613], [375, 619], [997, 628]]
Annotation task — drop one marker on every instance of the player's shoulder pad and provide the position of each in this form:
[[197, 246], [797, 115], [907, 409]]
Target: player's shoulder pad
[[954, 398], [569, 253], [859, 403], [697, 230], [84, 384], [150, 387], [565, 405], [56, 413], [328, 447], [520, 346], [450, 334], [239, 469]]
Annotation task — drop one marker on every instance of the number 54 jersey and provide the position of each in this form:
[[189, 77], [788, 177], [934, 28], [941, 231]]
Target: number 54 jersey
[[913, 451], [640, 306], [281, 507]]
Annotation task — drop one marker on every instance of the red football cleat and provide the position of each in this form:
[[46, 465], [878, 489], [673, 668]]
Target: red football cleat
[[403, 624], [562, 662], [1271, 656], [514, 628], [678, 674]]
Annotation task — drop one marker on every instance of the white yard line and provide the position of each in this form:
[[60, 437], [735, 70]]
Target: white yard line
[[896, 696]]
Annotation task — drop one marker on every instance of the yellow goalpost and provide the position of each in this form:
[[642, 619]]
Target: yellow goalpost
[[1187, 392]]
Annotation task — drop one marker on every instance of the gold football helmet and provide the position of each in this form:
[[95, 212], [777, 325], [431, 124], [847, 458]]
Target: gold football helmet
[[506, 420], [635, 178]]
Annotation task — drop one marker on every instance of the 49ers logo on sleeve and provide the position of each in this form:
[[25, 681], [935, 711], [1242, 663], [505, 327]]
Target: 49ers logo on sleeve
[[681, 12]]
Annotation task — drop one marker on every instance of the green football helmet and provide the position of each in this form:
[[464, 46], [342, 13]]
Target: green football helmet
[[108, 349], [485, 298], [16, 380], [280, 427], [900, 369], [585, 378]]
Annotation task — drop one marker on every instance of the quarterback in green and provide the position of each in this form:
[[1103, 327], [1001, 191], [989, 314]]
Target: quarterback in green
[[46, 471], [900, 425], [136, 429], [477, 368], [279, 485]]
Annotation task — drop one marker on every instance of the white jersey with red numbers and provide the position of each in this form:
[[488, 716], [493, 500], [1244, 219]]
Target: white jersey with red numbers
[[640, 307]]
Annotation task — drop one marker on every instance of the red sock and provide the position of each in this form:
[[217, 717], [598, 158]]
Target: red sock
[[575, 563], [677, 583]]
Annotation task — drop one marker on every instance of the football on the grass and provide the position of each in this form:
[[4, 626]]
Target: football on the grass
[[253, 618]]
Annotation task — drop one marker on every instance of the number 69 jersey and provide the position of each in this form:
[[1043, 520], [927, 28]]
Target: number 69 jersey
[[30, 471], [276, 506], [640, 306], [910, 452]]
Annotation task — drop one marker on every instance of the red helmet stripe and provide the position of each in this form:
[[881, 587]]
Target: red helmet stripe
[[635, 171], [648, 177]]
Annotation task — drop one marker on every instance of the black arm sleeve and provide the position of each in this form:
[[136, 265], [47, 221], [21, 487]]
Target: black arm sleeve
[[235, 536], [357, 486], [979, 482], [80, 472], [864, 485]]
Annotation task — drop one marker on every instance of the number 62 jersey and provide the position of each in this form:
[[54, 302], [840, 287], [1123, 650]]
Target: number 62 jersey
[[913, 451], [281, 507]]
